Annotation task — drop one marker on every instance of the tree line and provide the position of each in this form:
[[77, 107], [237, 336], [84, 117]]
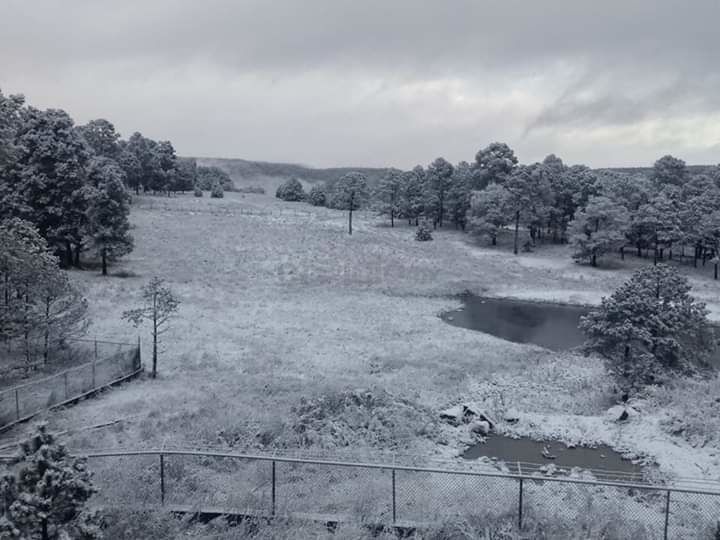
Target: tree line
[[65, 192], [73, 182], [661, 213]]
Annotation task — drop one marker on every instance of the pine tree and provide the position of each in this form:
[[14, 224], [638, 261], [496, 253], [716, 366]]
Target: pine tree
[[440, 175], [489, 212], [51, 162], [351, 193], [101, 137], [387, 195], [44, 492], [159, 306], [108, 210], [493, 164], [598, 229], [650, 327], [457, 202], [411, 195], [528, 200]]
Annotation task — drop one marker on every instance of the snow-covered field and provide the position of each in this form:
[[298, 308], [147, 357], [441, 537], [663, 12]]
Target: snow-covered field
[[279, 305]]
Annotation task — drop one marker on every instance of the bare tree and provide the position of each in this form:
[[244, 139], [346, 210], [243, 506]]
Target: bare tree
[[160, 306]]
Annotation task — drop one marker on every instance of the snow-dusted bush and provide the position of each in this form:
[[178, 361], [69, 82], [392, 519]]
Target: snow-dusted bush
[[316, 196], [359, 417], [693, 409], [217, 191], [290, 190], [423, 233]]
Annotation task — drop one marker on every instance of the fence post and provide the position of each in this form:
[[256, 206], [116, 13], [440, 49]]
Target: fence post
[[394, 505], [17, 405], [667, 514], [162, 479], [520, 505], [272, 496]]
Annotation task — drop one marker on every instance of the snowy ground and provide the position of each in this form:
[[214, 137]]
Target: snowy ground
[[279, 303]]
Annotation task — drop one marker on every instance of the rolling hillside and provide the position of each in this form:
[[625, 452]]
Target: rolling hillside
[[268, 175]]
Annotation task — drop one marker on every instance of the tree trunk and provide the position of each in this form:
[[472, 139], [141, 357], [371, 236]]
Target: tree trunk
[[46, 336], [517, 227], [494, 240], [103, 254], [68, 254], [622, 253], [77, 255], [655, 253], [350, 221], [392, 218], [594, 259], [155, 336], [716, 270]]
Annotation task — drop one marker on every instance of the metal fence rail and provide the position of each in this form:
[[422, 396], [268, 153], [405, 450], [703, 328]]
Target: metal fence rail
[[107, 363], [391, 495]]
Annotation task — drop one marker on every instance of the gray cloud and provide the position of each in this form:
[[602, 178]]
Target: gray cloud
[[379, 83]]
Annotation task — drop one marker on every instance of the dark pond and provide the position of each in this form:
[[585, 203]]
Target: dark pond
[[553, 326], [603, 461]]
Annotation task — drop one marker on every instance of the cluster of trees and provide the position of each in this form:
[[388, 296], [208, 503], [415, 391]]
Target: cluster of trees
[[73, 182], [600, 212], [212, 178], [349, 192], [662, 213], [39, 304], [658, 213], [650, 328], [65, 180]]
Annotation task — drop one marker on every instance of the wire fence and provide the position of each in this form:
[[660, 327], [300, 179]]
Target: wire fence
[[402, 497], [103, 363]]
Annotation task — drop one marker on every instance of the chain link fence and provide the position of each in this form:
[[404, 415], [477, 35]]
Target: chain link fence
[[400, 497], [103, 363]]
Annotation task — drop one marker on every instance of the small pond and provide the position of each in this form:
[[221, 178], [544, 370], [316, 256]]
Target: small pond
[[553, 326], [603, 461]]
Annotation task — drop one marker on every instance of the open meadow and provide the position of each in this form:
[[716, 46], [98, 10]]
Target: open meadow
[[284, 315]]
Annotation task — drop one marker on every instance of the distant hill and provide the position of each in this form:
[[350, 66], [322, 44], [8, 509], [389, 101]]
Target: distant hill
[[269, 175]]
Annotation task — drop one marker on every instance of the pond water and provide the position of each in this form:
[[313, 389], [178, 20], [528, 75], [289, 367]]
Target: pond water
[[603, 461], [553, 326]]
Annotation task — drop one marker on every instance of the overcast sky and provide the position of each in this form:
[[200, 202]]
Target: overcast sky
[[380, 82]]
